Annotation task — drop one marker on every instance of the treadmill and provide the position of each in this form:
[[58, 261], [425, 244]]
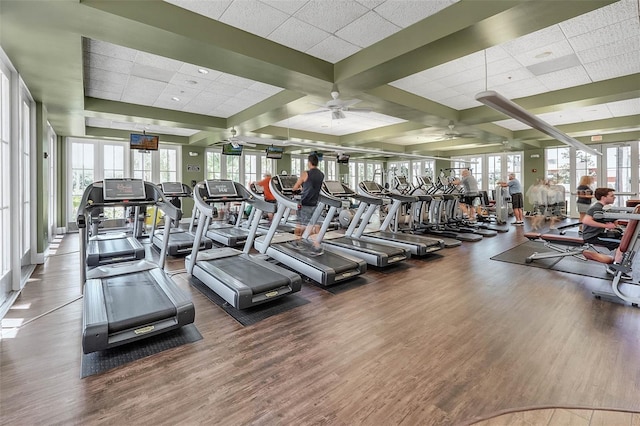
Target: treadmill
[[241, 279], [335, 194], [228, 235], [180, 240], [418, 244], [326, 269], [127, 301]]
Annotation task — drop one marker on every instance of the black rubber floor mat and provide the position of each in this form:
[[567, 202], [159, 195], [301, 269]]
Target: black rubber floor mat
[[254, 314], [519, 254], [99, 362]]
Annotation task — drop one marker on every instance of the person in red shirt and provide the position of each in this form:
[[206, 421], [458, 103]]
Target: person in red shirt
[[268, 196]]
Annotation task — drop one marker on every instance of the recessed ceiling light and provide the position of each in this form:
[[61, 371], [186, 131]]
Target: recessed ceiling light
[[203, 71], [175, 98], [543, 55], [191, 82]]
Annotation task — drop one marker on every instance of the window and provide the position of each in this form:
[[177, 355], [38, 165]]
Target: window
[[267, 165], [558, 168], [474, 164], [514, 165], [25, 182], [113, 163], [142, 165], [250, 169], [5, 226], [619, 172], [296, 166], [213, 165], [232, 167], [494, 170], [168, 165], [82, 172], [330, 169]]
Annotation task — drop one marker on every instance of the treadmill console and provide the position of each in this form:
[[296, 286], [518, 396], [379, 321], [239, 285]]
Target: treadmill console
[[221, 188], [287, 182], [123, 190], [173, 189], [256, 189], [371, 187], [334, 187]]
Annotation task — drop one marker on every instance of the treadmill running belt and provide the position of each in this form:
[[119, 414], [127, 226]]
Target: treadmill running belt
[[178, 238], [135, 299], [364, 245], [115, 247], [251, 274], [336, 262]]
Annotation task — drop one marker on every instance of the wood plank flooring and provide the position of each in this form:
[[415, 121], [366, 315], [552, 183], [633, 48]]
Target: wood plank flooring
[[449, 339]]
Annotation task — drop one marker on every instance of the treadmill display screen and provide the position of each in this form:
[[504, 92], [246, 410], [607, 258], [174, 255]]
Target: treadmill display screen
[[123, 189], [288, 182], [402, 180], [221, 188], [172, 188], [334, 187], [371, 186]]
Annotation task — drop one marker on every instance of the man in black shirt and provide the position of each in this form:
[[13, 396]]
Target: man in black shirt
[[594, 230], [311, 183]]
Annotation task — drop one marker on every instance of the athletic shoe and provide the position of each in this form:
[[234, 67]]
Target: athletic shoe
[[518, 223], [624, 276], [316, 251], [297, 245]]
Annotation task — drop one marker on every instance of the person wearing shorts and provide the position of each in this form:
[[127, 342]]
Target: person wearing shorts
[[517, 200], [311, 183]]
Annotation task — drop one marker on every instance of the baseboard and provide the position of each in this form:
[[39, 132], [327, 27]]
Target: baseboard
[[9, 303], [60, 231]]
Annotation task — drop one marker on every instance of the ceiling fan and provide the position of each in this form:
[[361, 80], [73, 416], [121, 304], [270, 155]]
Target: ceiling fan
[[337, 106], [236, 141], [452, 134]]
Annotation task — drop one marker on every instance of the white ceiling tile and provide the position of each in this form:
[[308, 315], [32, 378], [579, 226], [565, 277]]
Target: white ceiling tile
[[406, 12], [370, 4], [104, 86], [193, 70], [267, 89], [222, 89], [617, 66], [108, 63], [251, 95], [608, 50], [189, 81], [606, 35], [180, 92], [169, 104], [211, 9], [208, 98], [254, 17], [601, 17], [330, 15], [462, 76], [520, 88], [333, 49], [545, 53], [460, 102], [471, 88], [322, 122], [367, 30], [287, 6], [95, 93], [233, 80], [535, 40], [512, 124], [156, 61], [624, 108], [203, 109], [225, 111], [139, 85], [110, 50], [298, 35], [509, 77], [152, 73], [563, 79], [106, 76], [502, 66], [141, 98], [443, 94]]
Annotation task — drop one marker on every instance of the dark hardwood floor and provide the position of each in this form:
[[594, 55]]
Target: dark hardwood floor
[[449, 339]]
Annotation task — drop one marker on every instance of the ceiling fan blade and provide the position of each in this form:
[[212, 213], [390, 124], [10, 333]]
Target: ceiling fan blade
[[349, 102], [316, 111], [358, 109], [317, 104]]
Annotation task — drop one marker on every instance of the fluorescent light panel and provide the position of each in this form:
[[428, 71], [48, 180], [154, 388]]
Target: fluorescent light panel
[[498, 102]]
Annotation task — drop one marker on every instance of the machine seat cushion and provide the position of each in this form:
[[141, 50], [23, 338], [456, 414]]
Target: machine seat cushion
[[532, 235], [563, 239]]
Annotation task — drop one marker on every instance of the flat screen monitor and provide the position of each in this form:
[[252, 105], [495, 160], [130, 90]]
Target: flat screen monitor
[[144, 142], [123, 190], [229, 149], [343, 159], [275, 152], [402, 180], [172, 188], [221, 188], [287, 182], [334, 187], [371, 186]]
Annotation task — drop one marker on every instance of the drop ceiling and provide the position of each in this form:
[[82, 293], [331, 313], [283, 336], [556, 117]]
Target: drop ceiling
[[197, 68]]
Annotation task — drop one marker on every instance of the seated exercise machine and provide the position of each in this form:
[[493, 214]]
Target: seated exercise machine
[[629, 246], [241, 279], [327, 268], [124, 302], [180, 240]]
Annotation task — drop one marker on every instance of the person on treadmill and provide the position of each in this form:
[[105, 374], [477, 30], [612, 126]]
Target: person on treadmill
[[311, 183], [470, 193], [593, 230], [268, 196]]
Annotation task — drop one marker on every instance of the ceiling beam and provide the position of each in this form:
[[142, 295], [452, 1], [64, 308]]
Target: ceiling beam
[[133, 113], [100, 132]]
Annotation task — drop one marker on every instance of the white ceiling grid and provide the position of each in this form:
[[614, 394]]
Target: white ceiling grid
[[606, 41], [121, 74], [354, 122], [327, 29], [137, 127]]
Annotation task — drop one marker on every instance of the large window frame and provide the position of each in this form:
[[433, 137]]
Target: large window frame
[[219, 167]]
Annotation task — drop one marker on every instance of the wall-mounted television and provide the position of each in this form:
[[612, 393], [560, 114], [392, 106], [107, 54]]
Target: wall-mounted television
[[228, 149], [275, 152], [144, 142], [343, 159]]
